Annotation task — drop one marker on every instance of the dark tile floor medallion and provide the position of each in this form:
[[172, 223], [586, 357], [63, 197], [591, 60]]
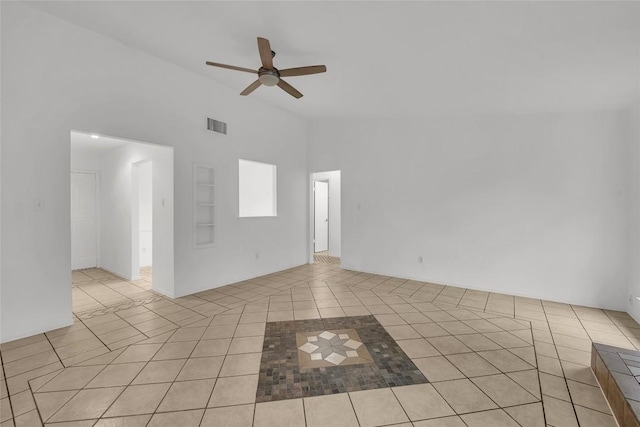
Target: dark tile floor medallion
[[316, 357]]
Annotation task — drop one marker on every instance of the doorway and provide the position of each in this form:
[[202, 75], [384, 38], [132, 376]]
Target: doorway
[[122, 198], [321, 217], [325, 229], [142, 219]]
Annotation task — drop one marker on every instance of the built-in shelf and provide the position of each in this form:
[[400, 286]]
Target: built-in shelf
[[203, 206]]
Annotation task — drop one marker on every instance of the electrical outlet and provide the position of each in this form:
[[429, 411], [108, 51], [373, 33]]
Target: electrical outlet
[[420, 259]]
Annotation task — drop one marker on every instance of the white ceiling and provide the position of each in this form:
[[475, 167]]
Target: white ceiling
[[390, 59], [82, 142]]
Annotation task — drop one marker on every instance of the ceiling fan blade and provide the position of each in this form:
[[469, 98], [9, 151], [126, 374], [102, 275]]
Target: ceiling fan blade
[[289, 89], [303, 71], [264, 47], [253, 86], [232, 67]]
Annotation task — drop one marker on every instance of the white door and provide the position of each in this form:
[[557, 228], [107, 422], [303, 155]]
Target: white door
[[321, 215], [83, 220]]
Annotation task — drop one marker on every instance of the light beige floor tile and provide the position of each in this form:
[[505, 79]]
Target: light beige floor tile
[[132, 421], [588, 396], [321, 410], [187, 334], [454, 421], [527, 380], [219, 331], [463, 396], [246, 345], [285, 413], [554, 386], [527, 415], [377, 407], [160, 371], [331, 312], [87, 404], [494, 418], [234, 391], [472, 365], [590, 418], [437, 368], [478, 342], [550, 365], [230, 416], [201, 368], [579, 373], [22, 403], [116, 375], [279, 316], [5, 410], [415, 348], [175, 350], [138, 353], [182, 418], [250, 330], [402, 332], [49, 403], [207, 348], [559, 413], [185, 395], [138, 399], [241, 364], [73, 378], [504, 360], [448, 345], [422, 401], [503, 390], [30, 419]]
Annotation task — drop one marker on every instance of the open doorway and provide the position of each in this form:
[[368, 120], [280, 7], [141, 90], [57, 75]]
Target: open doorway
[[142, 219], [325, 217], [121, 220]]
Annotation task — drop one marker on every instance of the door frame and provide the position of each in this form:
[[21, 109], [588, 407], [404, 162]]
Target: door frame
[[314, 214], [311, 206], [97, 208]]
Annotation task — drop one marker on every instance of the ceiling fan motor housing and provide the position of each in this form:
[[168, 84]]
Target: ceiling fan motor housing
[[268, 77]]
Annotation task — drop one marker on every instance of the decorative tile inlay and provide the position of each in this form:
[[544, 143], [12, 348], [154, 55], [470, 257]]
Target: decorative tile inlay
[[329, 348], [318, 357]]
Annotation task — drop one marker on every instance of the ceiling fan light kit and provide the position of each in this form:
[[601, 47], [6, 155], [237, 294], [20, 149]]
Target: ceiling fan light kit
[[268, 75]]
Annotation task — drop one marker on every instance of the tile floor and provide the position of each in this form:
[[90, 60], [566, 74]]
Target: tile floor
[[136, 358]]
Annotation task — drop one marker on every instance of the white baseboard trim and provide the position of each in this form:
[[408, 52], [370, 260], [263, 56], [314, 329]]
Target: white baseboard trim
[[30, 332]]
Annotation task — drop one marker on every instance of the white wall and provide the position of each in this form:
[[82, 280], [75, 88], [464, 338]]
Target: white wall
[[85, 161], [145, 213], [335, 226], [522, 204], [95, 84], [633, 258], [120, 212]]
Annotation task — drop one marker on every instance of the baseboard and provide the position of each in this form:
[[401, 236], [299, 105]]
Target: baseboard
[[345, 266], [32, 332], [117, 273], [163, 292]]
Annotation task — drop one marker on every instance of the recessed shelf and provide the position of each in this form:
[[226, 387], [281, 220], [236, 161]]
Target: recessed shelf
[[203, 206]]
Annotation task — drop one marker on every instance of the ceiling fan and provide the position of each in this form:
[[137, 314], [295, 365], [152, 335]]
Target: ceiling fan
[[269, 75]]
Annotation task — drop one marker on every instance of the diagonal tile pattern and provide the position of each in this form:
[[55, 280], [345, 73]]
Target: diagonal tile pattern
[[134, 357]]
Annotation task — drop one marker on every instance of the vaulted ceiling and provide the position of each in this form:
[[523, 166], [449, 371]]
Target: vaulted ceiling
[[394, 59]]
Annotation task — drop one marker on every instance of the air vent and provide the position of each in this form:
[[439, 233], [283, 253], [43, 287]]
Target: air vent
[[216, 126]]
